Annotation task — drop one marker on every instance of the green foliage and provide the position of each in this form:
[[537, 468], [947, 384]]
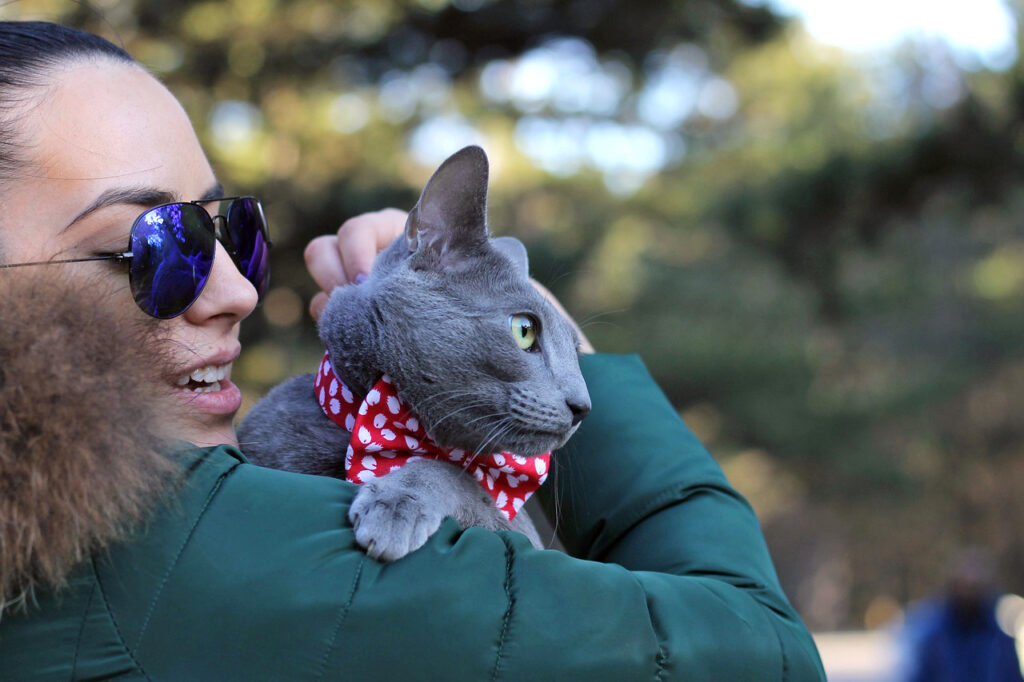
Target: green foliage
[[821, 262]]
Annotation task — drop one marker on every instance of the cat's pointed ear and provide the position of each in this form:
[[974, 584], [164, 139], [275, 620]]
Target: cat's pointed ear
[[513, 249], [451, 213]]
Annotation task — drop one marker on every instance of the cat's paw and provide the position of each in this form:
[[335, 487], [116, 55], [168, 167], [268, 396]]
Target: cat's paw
[[392, 521]]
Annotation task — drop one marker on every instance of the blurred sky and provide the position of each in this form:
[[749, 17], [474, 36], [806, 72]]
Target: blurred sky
[[572, 101], [981, 31], [577, 109]]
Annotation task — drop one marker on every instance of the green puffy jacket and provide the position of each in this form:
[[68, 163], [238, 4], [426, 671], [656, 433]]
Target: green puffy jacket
[[253, 574]]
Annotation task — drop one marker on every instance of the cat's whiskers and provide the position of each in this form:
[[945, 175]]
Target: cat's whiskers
[[452, 394], [479, 450], [497, 430], [479, 403], [455, 394], [489, 416]]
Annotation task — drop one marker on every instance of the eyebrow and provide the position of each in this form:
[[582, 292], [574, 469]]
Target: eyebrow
[[140, 196]]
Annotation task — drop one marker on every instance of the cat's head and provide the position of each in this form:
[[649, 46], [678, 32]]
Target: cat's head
[[450, 315]]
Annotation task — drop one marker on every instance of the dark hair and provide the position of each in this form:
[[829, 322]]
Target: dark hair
[[27, 50]]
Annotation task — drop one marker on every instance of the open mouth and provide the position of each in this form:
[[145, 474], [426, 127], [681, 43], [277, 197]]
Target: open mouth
[[205, 379]]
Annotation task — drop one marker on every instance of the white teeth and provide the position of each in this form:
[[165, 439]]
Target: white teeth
[[208, 388], [211, 375]]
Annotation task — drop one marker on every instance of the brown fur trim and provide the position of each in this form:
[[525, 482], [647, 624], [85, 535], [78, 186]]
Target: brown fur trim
[[81, 460]]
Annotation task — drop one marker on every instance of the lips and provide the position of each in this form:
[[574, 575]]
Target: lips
[[206, 387]]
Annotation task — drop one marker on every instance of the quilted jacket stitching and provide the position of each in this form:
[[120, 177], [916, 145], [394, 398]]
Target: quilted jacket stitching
[[113, 621], [177, 556], [510, 596], [81, 630], [661, 655], [341, 617], [782, 649]]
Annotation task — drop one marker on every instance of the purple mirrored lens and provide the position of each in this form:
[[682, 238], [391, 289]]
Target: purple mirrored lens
[[247, 229], [172, 256]]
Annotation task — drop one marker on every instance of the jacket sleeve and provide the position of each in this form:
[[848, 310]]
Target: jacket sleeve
[[264, 580], [677, 583], [637, 489]]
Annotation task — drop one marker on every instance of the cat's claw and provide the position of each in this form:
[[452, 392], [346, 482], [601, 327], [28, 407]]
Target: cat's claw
[[390, 524]]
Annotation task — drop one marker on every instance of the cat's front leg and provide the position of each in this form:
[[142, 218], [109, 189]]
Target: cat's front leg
[[395, 514]]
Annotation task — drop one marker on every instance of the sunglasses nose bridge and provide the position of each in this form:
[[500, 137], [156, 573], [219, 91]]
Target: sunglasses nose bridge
[[220, 224], [221, 233]]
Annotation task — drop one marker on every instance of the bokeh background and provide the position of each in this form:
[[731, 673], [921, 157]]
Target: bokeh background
[[818, 250]]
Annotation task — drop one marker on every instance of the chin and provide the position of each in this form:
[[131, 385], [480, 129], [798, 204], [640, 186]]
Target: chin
[[207, 416], [527, 445], [567, 436], [206, 432], [535, 446]]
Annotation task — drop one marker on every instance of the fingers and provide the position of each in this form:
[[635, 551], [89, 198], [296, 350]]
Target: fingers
[[324, 262], [317, 305], [360, 238], [343, 258]]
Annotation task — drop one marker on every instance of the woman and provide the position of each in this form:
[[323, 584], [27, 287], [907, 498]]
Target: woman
[[249, 573]]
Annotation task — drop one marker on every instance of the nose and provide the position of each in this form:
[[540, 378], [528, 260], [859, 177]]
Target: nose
[[579, 408], [227, 292]]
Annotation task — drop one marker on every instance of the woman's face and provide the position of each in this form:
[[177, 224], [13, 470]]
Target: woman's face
[[106, 141]]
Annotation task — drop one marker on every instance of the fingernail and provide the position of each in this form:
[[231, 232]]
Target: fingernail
[[360, 278]]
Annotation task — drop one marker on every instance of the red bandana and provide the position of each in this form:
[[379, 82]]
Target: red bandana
[[386, 435]]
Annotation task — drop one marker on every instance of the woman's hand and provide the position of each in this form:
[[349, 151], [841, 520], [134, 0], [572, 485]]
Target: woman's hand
[[346, 257], [335, 260]]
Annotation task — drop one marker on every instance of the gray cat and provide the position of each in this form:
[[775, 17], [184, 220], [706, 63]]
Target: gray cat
[[484, 361]]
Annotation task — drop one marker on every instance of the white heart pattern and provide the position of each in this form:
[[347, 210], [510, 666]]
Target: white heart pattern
[[381, 423]]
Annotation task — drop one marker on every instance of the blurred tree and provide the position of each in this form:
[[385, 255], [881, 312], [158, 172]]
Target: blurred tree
[[820, 257]]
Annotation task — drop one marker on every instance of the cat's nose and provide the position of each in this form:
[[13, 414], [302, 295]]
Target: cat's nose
[[578, 408]]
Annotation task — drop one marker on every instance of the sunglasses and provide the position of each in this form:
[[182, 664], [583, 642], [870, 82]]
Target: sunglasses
[[171, 247]]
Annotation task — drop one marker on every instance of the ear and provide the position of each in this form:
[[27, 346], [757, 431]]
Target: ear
[[513, 249], [451, 214]]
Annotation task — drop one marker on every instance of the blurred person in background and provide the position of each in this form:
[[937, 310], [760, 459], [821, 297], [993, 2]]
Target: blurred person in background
[[956, 637]]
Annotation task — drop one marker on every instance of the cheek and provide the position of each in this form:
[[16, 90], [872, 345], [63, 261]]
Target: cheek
[[183, 341], [26, 229], [107, 281]]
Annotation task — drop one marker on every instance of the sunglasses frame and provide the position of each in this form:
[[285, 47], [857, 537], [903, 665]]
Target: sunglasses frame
[[219, 235]]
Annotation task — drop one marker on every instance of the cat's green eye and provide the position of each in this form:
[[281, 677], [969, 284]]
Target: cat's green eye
[[524, 331]]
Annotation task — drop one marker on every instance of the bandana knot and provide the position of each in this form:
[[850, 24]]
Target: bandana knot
[[387, 435]]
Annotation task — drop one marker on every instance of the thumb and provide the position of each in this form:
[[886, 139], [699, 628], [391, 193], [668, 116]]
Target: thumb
[[317, 305]]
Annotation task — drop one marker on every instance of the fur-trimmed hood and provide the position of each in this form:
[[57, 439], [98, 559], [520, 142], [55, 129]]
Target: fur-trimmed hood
[[81, 459]]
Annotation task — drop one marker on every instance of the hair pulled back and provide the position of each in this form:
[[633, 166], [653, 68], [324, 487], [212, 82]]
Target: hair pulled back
[[28, 49]]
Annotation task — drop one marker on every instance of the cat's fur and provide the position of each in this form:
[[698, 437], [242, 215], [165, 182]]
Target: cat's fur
[[434, 316]]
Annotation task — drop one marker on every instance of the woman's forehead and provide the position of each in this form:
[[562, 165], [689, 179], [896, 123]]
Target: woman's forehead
[[104, 123], [100, 127]]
